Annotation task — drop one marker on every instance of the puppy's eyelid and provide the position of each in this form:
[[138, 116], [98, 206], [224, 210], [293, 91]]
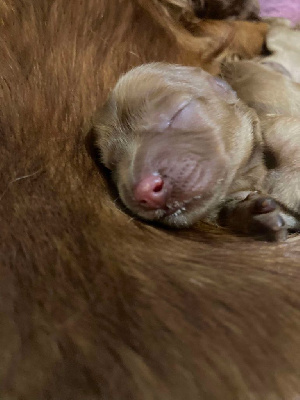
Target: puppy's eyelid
[[177, 113]]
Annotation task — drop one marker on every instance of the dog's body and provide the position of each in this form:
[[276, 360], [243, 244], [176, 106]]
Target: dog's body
[[283, 43], [181, 147], [271, 87], [184, 148]]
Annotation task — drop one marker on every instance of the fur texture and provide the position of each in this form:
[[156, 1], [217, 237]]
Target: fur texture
[[95, 305]]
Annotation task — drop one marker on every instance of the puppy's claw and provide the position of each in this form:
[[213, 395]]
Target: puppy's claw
[[264, 205]]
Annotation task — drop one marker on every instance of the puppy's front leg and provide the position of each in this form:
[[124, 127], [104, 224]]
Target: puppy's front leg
[[282, 155], [256, 215]]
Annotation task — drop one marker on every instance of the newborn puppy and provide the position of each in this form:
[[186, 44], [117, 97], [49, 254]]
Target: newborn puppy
[[182, 147], [266, 85], [284, 44]]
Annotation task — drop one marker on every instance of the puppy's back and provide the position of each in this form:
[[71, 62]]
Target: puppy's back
[[263, 88]]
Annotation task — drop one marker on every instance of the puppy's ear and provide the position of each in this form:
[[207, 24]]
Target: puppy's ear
[[223, 89]]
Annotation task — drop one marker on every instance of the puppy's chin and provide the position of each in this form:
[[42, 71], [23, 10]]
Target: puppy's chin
[[188, 214], [190, 199], [181, 215]]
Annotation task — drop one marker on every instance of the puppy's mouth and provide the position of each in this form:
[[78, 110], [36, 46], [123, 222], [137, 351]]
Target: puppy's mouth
[[174, 201], [178, 208]]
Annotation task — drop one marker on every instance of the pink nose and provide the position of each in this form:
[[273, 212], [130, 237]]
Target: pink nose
[[150, 192]]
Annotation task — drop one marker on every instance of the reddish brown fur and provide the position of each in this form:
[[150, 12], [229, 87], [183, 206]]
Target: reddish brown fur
[[95, 305], [218, 39]]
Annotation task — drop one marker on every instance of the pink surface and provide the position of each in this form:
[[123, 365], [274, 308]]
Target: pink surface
[[289, 9]]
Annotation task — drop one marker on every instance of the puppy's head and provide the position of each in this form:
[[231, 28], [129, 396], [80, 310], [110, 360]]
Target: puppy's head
[[170, 135]]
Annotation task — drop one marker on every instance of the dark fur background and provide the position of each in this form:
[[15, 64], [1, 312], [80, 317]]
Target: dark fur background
[[94, 304], [227, 9]]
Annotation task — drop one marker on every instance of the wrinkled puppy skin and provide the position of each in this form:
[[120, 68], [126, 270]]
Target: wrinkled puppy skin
[[182, 148], [270, 86]]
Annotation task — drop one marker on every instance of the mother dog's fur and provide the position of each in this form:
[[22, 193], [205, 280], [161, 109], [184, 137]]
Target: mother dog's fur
[[94, 304]]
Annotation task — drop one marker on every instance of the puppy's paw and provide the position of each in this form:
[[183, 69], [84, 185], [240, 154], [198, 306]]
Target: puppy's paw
[[264, 218], [233, 57], [256, 215]]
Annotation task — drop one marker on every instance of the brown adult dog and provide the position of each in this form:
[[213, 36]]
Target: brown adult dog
[[95, 305]]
